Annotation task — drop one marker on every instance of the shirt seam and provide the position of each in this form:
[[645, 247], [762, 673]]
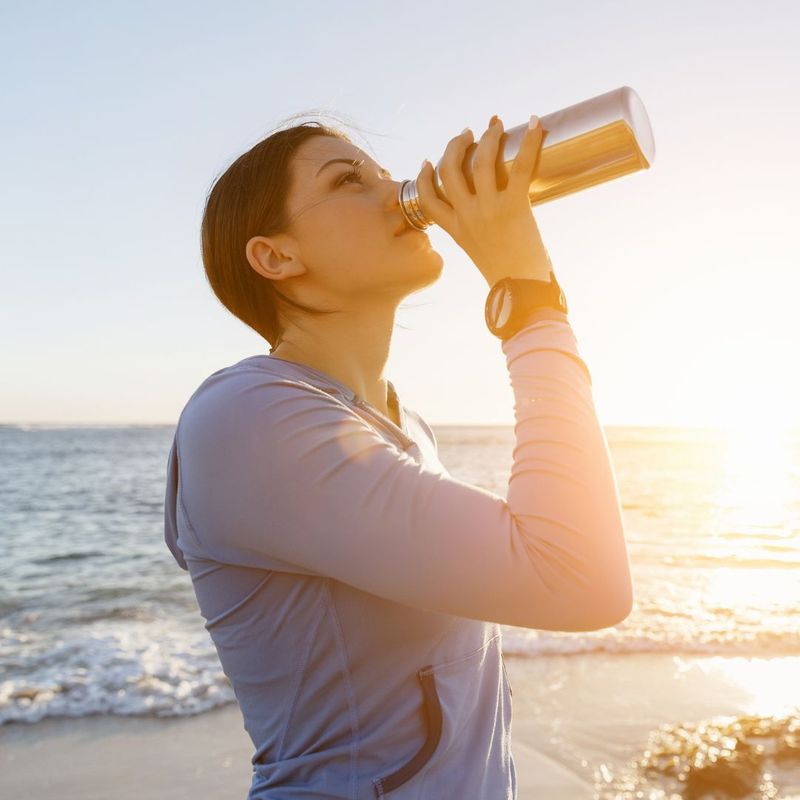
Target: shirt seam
[[179, 493], [341, 648], [300, 669]]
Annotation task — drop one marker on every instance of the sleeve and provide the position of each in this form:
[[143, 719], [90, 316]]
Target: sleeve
[[273, 468]]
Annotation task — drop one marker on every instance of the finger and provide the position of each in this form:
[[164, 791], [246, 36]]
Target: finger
[[433, 207], [484, 171], [526, 160], [450, 169]]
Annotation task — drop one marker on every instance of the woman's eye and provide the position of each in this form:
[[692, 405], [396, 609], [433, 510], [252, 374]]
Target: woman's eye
[[354, 174]]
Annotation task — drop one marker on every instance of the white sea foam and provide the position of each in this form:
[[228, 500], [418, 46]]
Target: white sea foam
[[154, 670]]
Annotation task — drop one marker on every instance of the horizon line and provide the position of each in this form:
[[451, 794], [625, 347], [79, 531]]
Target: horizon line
[[95, 424]]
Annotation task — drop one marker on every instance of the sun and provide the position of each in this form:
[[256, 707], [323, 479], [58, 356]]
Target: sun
[[756, 494]]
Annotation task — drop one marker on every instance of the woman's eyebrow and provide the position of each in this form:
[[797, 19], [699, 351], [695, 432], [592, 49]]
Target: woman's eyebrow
[[351, 161]]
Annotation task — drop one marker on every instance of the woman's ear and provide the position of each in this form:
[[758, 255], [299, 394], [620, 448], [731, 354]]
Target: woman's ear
[[273, 258]]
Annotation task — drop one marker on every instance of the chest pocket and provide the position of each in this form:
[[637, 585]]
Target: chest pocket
[[466, 751]]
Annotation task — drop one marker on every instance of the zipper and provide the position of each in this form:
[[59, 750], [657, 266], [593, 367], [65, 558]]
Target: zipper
[[387, 424]]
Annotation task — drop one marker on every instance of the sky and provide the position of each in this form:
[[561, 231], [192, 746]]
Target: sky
[[682, 280]]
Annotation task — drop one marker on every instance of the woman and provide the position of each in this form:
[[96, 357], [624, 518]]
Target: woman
[[353, 589]]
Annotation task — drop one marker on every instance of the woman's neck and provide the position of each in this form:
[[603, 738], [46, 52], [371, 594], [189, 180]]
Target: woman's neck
[[374, 390]]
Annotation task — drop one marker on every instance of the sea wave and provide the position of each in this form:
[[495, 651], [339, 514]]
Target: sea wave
[[132, 670], [762, 643], [167, 669]]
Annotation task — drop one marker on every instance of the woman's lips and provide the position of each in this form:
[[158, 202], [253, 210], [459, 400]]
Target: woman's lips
[[407, 229]]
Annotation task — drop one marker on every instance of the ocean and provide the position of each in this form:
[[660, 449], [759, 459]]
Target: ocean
[[97, 618]]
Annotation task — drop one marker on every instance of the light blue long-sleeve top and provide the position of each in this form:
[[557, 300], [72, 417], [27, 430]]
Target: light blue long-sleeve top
[[354, 589]]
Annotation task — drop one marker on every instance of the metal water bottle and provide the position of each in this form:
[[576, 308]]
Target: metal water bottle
[[591, 142]]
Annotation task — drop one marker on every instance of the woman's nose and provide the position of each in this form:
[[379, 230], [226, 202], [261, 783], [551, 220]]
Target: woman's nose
[[393, 190]]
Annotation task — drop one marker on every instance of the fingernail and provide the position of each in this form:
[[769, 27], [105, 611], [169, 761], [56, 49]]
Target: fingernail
[[533, 122], [424, 162], [493, 120], [466, 130]]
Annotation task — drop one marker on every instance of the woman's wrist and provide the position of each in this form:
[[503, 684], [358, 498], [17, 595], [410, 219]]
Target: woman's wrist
[[534, 266]]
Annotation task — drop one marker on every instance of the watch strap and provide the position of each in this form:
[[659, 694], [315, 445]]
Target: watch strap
[[530, 300]]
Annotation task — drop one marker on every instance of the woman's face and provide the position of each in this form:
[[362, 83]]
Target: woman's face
[[345, 219]]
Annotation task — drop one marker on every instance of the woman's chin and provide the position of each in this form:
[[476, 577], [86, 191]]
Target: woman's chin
[[427, 268]]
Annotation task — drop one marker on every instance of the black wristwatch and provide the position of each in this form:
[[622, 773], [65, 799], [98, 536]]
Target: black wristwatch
[[512, 300]]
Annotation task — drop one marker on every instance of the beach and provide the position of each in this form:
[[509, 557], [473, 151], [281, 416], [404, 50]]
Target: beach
[[577, 723]]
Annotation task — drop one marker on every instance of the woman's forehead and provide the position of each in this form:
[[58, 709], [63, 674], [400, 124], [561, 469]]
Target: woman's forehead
[[318, 151]]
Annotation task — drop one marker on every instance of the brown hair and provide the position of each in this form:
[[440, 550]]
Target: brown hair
[[249, 199]]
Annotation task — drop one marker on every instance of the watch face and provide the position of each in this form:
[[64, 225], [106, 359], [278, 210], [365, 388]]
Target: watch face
[[500, 307]]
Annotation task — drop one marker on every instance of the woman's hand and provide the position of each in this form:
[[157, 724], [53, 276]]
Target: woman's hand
[[495, 227]]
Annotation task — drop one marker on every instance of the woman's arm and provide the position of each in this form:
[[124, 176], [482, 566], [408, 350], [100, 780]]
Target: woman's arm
[[272, 467]]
